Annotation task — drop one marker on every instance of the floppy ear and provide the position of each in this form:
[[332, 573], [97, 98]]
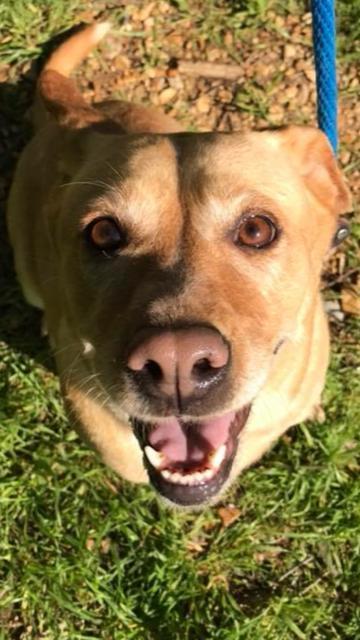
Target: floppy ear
[[64, 102], [313, 157]]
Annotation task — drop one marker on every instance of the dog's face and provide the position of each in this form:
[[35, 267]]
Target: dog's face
[[187, 262]]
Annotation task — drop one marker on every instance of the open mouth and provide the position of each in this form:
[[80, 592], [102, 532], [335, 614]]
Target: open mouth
[[189, 461]]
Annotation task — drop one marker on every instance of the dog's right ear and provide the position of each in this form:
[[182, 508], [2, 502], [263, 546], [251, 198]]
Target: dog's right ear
[[311, 154], [64, 102]]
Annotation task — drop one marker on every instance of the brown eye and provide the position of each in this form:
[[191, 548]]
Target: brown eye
[[106, 235], [256, 231]]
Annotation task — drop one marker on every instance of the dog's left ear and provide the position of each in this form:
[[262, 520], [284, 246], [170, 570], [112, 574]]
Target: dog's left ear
[[314, 160], [63, 100]]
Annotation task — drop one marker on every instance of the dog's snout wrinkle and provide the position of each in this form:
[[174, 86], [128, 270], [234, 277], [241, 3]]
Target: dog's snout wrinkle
[[180, 363]]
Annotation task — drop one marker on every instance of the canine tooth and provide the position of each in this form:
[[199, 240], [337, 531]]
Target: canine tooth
[[166, 474], [155, 458], [206, 475], [218, 456]]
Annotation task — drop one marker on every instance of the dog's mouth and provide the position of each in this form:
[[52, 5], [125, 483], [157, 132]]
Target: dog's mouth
[[189, 461]]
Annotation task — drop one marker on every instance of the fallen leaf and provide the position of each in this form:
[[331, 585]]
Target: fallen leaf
[[90, 544], [105, 545], [350, 302], [196, 546], [229, 514]]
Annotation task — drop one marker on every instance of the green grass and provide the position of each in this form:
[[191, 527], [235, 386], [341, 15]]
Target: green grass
[[84, 555], [28, 25]]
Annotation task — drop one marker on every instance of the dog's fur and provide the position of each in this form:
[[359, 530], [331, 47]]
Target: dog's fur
[[179, 196]]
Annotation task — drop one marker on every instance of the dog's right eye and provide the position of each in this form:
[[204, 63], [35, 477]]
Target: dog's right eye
[[256, 231], [106, 235]]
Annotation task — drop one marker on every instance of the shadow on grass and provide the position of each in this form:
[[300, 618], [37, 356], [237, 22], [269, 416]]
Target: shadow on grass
[[20, 325]]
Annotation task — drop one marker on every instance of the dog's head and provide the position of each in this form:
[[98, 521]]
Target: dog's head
[[187, 261]]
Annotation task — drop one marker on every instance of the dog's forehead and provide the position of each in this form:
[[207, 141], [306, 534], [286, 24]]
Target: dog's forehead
[[228, 164], [159, 178], [213, 154], [198, 166]]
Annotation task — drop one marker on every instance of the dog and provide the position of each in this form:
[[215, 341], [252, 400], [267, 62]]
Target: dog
[[179, 276]]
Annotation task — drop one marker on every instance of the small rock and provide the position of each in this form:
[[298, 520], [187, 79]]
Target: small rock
[[228, 39], [203, 104], [345, 156], [225, 95], [310, 74], [276, 111], [290, 51], [213, 55], [332, 307], [167, 95], [146, 11], [291, 92], [280, 22], [303, 92]]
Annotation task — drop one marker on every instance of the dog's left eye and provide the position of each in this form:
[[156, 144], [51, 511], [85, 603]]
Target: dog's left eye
[[106, 235], [256, 230]]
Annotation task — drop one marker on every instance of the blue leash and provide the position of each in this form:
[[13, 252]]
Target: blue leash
[[324, 40]]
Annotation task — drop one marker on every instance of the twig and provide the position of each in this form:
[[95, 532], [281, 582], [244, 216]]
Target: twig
[[208, 69], [303, 563], [341, 278]]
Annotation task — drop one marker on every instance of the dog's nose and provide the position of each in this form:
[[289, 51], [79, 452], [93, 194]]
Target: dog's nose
[[184, 362]]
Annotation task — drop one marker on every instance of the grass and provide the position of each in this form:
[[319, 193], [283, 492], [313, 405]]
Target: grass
[[84, 555]]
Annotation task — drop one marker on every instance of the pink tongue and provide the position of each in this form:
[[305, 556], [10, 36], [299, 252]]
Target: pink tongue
[[190, 442]]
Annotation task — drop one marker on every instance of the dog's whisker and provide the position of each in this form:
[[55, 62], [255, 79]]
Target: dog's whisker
[[91, 183], [116, 173], [66, 347]]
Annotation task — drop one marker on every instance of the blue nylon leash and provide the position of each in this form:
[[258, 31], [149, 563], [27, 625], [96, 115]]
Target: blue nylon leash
[[324, 41]]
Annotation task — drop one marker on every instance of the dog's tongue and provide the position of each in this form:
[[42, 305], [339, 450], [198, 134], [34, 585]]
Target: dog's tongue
[[190, 442]]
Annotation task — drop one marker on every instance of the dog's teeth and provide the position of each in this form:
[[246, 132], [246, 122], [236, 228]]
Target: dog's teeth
[[218, 456], [155, 458], [207, 474], [189, 479], [176, 477]]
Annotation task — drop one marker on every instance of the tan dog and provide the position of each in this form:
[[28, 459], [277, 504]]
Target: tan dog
[[179, 277]]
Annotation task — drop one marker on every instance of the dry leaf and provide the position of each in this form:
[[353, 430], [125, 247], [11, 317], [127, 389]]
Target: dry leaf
[[89, 544], [228, 514], [196, 546], [105, 545], [350, 302]]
